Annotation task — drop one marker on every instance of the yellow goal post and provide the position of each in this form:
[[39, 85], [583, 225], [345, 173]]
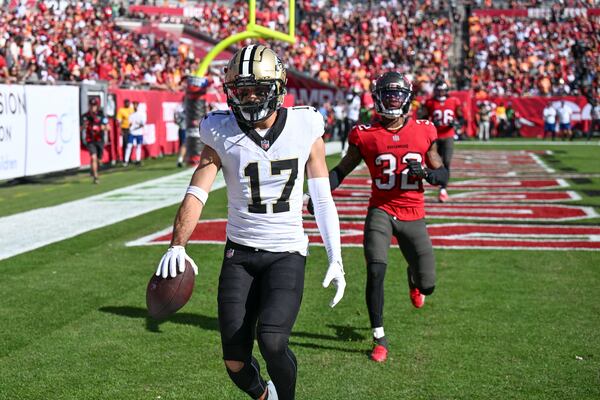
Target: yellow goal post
[[252, 31]]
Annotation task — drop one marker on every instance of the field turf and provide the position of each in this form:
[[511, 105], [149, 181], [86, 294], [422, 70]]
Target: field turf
[[501, 325]]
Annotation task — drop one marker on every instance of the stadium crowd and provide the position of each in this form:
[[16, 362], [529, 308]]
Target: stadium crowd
[[346, 44], [350, 45], [508, 4], [532, 57], [82, 42]]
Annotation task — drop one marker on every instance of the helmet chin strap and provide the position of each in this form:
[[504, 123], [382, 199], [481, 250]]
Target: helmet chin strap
[[261, 115], [261, 123], [267, 122]]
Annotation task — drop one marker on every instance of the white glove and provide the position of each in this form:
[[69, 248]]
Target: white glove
[[335, 274], [175, 256]]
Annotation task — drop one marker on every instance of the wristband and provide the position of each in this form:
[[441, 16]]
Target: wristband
[[198, 193]]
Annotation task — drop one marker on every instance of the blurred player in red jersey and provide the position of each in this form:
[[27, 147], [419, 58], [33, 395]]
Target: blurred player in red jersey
[[395, 149], [94, 129], [446, 114]]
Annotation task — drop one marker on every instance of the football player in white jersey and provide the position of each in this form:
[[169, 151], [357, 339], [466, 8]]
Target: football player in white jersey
[[263, 150]]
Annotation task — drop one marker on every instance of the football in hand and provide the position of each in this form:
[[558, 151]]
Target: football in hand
[[165, 296]]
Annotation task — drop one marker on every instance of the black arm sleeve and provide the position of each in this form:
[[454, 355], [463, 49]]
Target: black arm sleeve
[[336, 176], [439, 176]]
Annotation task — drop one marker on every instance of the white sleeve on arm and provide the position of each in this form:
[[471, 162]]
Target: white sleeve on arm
[[326, 216]]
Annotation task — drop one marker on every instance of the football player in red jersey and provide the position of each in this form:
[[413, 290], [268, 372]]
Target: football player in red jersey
[[446, 113], [94, 131], [396, 150]]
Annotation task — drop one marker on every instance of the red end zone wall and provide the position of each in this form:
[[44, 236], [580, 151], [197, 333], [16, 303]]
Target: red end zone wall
[[160, 136], [529, 111], [161, 132]]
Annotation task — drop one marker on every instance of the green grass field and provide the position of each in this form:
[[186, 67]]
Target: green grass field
[[501, 324]]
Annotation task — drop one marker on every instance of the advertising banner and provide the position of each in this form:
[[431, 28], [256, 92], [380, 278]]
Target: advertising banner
[[52, 129], [13, 131], [308, 91], [161, 132]]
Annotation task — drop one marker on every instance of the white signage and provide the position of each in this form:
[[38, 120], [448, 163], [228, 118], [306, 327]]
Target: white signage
[[13, 131], [53, 139], [168, 109]]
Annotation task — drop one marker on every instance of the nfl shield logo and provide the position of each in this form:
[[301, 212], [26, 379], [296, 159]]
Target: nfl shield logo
[[265, 144], [229, 253], [395, 138]]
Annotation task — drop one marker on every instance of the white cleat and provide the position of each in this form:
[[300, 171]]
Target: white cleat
[[272, 393]]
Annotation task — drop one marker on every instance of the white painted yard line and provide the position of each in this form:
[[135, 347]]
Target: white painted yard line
[[36, 228], [541, 163]]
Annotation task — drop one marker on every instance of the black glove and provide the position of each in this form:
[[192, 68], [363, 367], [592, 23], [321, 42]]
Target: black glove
[[415, 169], [310, 207], [458, 123], [439, 176]]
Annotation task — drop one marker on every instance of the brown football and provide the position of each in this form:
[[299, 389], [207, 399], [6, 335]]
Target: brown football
[[165, 296]]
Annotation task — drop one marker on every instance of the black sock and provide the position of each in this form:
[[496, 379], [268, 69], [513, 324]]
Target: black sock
[[411, 283]]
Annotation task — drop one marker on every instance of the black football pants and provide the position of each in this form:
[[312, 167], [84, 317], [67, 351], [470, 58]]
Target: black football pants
[[260, 294]]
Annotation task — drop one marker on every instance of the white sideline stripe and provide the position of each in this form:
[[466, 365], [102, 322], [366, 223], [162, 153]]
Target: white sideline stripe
[[33, 229], [36, 228]]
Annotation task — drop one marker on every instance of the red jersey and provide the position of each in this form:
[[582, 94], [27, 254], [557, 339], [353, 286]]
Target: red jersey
[[92, 124], [386, 154], [443, 113]]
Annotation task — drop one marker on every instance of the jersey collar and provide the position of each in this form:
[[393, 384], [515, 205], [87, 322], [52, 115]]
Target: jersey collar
[[266, 142], [407, 121]]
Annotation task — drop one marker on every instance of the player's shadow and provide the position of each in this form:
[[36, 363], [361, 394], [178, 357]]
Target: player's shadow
[[344, 333], [341, 334], [202, 321]]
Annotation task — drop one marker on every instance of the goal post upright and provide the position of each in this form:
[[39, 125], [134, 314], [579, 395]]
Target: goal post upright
[[252, 31]]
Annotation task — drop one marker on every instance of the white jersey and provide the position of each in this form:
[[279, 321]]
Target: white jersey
[[137, 121], [354, 108], [550, 115], [265, 176], [596, 112], [564, 114]]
